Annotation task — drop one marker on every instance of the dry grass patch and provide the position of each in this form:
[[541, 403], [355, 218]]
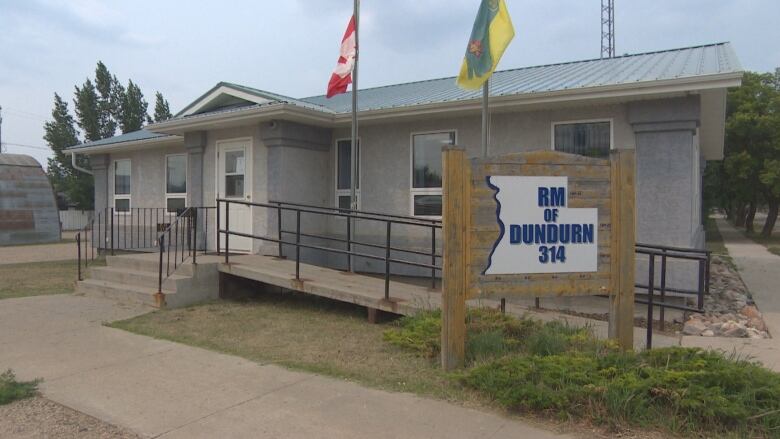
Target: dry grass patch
[[305, 333], [37, 278]]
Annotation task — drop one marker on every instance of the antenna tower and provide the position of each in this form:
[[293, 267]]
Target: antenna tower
[[607, 28]]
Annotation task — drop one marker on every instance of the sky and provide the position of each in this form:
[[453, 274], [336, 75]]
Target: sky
[[290, 47]]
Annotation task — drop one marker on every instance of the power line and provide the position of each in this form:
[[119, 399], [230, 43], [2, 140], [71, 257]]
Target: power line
[[25, 113], [22, 145]]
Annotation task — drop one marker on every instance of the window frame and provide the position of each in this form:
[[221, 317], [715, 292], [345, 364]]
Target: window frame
[[580, 121], [128, 196], [346, 192], [175, 195], [430, 190]]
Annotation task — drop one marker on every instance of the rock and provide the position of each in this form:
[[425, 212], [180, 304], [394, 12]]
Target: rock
[[757, 323], [754, 333], [750, 312], [694, 327], [736, 331], [708, 333]]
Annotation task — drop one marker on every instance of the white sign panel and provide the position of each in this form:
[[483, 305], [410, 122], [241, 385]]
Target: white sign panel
[[539, 233]]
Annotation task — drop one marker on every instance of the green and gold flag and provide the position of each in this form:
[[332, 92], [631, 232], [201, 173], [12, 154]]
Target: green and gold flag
[[492, 33]]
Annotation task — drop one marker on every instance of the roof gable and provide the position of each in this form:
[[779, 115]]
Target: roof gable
[[224, 95]]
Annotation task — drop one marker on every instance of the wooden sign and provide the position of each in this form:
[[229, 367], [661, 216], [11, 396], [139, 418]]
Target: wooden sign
[[540, 223]]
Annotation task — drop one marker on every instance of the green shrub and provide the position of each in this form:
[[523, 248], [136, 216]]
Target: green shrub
[[566, 372], [12, 390], [420, 333], [682, 389]]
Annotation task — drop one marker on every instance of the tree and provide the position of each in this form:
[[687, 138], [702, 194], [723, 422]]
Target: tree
[[61, 134], [133, 109], [161, 109], [106, 102], [101, 105], [88, 111], [752, 163]]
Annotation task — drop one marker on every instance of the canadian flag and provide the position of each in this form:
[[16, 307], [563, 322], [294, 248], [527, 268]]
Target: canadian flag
[[342, 74]]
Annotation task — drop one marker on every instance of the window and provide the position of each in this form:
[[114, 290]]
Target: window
[[344, 174], [175, 182], [122, 183], [592, 139], [234, 173], [427, 172]]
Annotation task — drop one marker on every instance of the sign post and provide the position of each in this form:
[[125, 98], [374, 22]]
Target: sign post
[[533, 224]]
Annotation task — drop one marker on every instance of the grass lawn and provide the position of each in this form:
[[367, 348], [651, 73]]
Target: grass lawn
[[38, 278], [12, 390], [518, 366], [305, 333]]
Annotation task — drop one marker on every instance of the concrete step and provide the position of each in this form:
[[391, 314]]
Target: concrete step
[[125, 276], [121, 293], [148, 264]]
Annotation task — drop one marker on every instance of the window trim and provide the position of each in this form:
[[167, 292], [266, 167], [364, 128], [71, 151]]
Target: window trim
[[186, 180], [423, 191], [570, 122], [128, 197], [346, 192]]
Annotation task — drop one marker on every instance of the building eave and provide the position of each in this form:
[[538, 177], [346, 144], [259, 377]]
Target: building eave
[[620, 91], [129, 145]]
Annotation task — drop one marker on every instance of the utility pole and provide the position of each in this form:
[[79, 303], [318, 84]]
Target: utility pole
[[607, 28], [1, 129]]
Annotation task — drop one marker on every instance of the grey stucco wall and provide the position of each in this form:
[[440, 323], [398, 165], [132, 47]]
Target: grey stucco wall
[[296, 163]]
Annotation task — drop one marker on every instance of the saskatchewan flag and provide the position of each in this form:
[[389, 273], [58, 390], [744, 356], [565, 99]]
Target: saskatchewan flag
[[491, 35]]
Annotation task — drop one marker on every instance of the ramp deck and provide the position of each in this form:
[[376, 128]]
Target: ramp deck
[[361, 289]]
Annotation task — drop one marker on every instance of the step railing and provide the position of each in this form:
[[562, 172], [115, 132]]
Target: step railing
[[144, 229], [178, 242], [353, 248], [83, 237]]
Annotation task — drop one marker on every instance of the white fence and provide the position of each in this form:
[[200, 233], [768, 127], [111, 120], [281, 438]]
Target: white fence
[[75, 219]]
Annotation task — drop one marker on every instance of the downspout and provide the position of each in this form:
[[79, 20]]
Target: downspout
[[77, 167]]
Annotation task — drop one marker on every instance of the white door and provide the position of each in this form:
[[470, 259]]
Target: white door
[[234, 182]]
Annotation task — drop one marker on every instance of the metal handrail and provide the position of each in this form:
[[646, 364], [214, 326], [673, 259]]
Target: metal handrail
[[366, 212], [703, 257], [350, 216], [182, 233]]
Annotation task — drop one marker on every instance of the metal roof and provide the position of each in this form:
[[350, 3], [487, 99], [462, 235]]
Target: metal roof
[[688, 62], [133, 136], [7, 159]]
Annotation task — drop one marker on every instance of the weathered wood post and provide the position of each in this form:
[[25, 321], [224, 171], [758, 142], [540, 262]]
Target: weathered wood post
[[456, 170], [623, 240]]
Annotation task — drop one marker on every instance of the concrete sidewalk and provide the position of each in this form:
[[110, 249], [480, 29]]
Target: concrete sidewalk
[[760, 270], [162, 389]]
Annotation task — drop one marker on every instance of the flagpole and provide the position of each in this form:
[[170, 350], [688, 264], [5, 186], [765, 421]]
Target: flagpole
[[354, 144], [485, 118]]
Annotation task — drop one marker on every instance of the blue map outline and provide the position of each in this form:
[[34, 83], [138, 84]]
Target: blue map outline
[[500, 223]]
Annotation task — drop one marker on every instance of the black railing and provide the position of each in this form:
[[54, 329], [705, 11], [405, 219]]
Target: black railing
[[665, 254], [87, 253], [178, 242], [349, 241], [145, 229]]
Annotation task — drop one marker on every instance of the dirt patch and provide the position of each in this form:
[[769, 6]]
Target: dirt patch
[[41, 418]]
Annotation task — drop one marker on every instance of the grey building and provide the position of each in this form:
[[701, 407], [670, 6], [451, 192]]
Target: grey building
[[249, 144]]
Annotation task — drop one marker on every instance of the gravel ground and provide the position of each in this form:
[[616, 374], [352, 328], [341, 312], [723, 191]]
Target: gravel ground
[[40, 418]]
